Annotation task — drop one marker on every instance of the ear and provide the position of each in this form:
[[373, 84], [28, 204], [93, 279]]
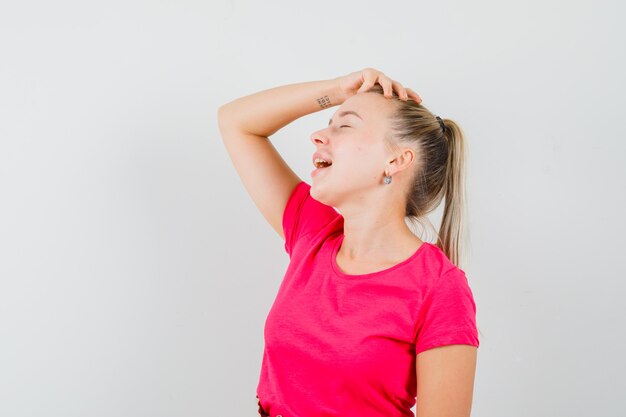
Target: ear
[[402, 161]]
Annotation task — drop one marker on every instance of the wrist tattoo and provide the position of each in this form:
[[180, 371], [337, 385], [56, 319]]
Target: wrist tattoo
[[324, 102]]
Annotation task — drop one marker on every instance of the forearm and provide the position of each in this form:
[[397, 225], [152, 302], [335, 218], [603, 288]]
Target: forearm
[[265, 112]]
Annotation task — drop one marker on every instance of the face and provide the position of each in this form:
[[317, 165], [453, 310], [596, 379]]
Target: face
[[356, 148]]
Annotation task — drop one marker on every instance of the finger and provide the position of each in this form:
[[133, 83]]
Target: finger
[[401, 90], [387, 86], [414, 95], [367, 84]]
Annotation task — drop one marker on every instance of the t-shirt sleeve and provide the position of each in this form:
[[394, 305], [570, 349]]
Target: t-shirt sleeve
[[304, 216], [447, 315]]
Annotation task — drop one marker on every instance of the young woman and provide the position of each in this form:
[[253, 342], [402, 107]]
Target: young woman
[[369, 320]]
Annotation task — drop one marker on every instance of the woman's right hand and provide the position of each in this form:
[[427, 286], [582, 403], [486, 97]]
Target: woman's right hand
[[361, 81]]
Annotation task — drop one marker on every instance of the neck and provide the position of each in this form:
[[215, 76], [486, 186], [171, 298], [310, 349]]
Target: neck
[[379, 238]]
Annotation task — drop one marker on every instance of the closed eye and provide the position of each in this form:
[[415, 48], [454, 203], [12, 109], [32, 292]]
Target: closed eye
[[344, 126]]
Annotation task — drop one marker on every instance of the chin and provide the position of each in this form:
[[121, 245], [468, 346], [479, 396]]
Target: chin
[[319, 194]]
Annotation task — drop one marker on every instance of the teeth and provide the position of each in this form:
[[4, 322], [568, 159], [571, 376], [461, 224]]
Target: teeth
[[319, 162]]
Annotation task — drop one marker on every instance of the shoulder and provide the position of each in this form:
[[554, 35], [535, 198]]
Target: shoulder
[[306, 218], [433, 265]]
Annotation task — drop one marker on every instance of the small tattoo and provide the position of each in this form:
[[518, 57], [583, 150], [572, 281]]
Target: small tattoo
[[324, 102]]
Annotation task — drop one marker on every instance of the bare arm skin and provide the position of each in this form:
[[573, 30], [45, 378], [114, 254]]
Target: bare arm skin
[[445, 381], [445, 375], [246, 124]]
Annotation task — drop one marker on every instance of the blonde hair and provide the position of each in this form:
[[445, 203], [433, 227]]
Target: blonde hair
[[439, 172]]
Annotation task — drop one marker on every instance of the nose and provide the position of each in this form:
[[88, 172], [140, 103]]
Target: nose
[[319, 138]]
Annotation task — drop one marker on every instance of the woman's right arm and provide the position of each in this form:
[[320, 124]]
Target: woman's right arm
[[246, 124]]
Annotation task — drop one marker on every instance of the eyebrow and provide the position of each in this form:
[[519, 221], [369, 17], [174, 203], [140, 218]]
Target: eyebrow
[[344, 113]]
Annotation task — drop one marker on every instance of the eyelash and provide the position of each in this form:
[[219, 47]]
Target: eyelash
[[343, 126]]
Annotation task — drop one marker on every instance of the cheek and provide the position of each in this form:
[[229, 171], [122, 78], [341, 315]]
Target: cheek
[[360, 164], [361, 159]]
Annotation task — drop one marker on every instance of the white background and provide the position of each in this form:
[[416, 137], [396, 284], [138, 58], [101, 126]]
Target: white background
[[136, 272]]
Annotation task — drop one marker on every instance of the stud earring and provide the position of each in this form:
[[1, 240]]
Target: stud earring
[[387, 178]]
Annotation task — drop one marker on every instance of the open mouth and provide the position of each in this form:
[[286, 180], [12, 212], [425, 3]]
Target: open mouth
[[320, 163]]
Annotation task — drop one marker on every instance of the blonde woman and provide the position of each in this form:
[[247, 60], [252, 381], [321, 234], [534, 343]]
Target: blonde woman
[[369, 320]]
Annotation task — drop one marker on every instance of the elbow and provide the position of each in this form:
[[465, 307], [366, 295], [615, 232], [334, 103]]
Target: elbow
[[221, 111], [223, 116]]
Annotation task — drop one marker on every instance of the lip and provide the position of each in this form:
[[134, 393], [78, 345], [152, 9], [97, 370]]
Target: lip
[[320, 155], [316, 171]]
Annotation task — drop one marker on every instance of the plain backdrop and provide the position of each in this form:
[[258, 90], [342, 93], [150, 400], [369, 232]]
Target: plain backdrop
[[136, 272]]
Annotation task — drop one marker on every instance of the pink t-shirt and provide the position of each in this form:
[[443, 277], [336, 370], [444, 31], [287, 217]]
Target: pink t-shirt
[[345, 345]]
